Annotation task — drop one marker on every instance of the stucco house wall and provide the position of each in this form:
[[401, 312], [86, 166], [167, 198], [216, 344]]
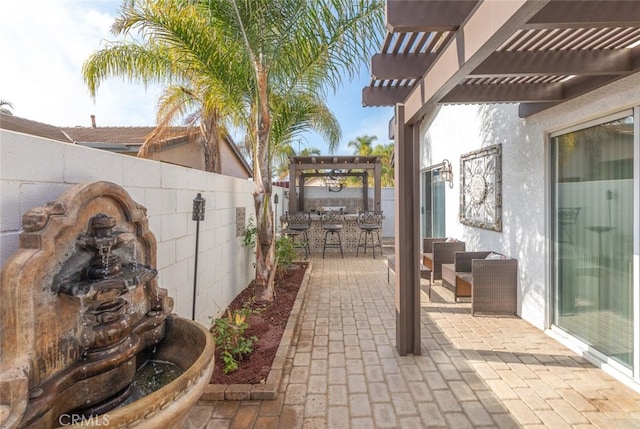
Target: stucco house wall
[[452, 131]]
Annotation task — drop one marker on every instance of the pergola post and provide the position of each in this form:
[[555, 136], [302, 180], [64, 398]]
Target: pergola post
[[377, 180], [407, 230], [365, 190], [293, 176]]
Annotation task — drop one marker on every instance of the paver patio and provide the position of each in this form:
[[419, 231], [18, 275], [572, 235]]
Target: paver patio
[[474, 372]]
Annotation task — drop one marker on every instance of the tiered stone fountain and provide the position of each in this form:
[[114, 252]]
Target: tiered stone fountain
[[86, 334]]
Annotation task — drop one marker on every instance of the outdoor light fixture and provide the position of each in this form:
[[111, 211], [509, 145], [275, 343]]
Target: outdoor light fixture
[[446, 173], [275, 223], [198, 208], [197, 215]]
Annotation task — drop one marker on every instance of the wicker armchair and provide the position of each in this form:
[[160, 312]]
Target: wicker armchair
[[491, 283], [438, 251]]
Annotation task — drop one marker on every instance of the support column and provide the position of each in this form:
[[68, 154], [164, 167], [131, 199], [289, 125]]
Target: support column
[[293, 176], [365, 191], [407, 235], [377, 191]]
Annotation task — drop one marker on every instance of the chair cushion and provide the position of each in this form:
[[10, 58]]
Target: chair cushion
[[467, 277], [332, 227], [494, 255]]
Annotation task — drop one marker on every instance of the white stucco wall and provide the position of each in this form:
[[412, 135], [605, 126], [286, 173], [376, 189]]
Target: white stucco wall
[[456, 130], [34, 171]]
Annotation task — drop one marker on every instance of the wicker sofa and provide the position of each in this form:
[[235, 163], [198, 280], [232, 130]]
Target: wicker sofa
[[490, 283], [437, 251]]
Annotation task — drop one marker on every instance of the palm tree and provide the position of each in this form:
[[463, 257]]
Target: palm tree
[[289, 151], [385, 152], [362, 145], [6, 107], [251, 62]]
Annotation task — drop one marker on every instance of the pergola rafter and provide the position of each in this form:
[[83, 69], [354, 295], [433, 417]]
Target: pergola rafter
[[492, 48]]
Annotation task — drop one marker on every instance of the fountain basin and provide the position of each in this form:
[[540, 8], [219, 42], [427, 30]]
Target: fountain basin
[[187, 345]]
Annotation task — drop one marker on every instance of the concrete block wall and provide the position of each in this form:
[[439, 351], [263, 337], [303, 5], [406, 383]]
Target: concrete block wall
[[34, 171]]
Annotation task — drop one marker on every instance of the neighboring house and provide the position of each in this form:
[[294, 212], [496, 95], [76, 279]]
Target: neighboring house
[[537, 106], [181, 148]]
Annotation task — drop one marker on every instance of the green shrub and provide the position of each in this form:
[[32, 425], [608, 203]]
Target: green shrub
[[229, 335], [285, 252]]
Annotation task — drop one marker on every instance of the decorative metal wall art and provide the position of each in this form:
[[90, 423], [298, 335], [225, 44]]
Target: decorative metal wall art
[[481, 188]]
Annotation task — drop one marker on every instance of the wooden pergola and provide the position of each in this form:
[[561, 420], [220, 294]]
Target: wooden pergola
[[301, 167], [537, 53]]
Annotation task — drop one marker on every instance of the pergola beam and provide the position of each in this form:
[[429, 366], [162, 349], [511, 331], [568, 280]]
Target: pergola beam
[[571, 89], [336, 166], [490, 24], [427, 15], [384, 95], [400, 66], [553, 63], [589, 14], [505, 93]]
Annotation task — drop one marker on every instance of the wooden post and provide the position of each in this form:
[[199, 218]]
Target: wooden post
[[292, 185], [377, 191], [407, 236]]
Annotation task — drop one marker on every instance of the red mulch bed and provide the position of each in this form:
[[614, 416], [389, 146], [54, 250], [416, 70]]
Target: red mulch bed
[[267, 322]]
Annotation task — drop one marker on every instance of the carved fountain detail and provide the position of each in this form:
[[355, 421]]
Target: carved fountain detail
[[82, 315]]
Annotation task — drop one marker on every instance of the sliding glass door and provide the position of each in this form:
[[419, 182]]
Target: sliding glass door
[[593, 235], [433, 208]]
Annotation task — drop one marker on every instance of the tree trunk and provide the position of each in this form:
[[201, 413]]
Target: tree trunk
[[211, 145], [266, 245]]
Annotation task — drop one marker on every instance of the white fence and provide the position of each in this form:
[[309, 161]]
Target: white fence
[[34, 171]]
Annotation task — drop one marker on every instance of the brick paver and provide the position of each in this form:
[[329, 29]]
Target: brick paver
[[344, 371]]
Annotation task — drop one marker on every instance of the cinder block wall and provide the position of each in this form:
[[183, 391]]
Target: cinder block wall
[[34, 171]]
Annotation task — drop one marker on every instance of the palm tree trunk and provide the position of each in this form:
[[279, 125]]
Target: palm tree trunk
[[211, 145], [266, 245]]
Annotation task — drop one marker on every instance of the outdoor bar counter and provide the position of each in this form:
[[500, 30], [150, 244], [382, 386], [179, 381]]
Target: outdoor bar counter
[[349, 234]]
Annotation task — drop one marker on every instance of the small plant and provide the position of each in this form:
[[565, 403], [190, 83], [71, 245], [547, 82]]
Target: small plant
[[229, 335], [250, 235], [285, 252]]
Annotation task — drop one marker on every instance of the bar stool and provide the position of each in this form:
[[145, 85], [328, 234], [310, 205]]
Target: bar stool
[[298, 223], [370, 223], [332, 222]]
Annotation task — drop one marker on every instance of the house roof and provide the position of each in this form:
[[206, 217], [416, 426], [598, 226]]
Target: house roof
[[537, 53], [114, 139], [26, 126]]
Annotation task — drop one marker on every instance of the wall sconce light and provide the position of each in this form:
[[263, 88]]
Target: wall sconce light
[[286, 193], [446, 173]]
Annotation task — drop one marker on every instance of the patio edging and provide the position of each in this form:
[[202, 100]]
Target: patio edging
[[268, 390]]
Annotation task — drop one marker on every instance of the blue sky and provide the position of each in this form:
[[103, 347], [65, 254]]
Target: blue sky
[[43, 44]]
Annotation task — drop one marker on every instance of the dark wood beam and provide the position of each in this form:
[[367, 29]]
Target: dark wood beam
[[572, 88], [505, 93], [400, 66], [554, 63], [407, 236], [490, 25], [337, 166], [586, 14], [359, 174], [527, 109], [427, 15], [376, 96]]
